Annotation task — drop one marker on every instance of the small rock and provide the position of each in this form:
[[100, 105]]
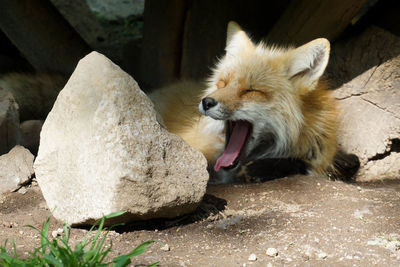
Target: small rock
[[272, 252], [54, 234], [16, 168], [322, 255], [57, 232], [252, 257], [359, 188], [165, 247], [21, 232], [22, 190]]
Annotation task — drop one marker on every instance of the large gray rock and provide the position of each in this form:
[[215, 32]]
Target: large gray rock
[[16, 169], [367, 69], [102, 150], [9, 121]]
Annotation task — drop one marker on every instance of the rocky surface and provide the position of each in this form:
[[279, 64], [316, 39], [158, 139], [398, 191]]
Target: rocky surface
[[366, 70], [102, 150], [9, 121], [16, 169]]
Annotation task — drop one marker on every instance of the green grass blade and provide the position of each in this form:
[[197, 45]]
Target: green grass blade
[[99, 229], [115, 214], [56, 252], [124, 260], [154, 264], [105, 253], [44, 235], [140, 249], [65, 235], [51, 260], [121, 261]]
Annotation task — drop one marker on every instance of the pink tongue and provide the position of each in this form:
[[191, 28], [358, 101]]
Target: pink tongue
[[236, 142]]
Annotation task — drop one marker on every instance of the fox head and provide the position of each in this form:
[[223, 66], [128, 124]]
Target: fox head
[[256, 90]]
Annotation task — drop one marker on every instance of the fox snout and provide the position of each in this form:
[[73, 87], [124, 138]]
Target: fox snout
[[211, 107], [208, 103]]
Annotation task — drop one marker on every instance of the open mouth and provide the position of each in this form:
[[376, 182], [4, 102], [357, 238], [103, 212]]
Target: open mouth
[[237, 134]]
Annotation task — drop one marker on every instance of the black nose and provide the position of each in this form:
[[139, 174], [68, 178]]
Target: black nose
[[208, 103]]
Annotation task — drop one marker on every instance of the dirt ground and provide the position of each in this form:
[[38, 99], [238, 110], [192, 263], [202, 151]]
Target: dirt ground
[[308, 221]]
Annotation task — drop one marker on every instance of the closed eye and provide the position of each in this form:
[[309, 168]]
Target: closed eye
[[254, 91], [251, 89]]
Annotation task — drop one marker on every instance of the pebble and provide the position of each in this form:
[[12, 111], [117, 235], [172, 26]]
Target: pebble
[[252, 257], [165, 247], [272, 252], [322, 255], [359, 188], [57, 232], [22, 190]]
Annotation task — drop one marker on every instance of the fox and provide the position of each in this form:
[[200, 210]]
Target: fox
[[260, 102]]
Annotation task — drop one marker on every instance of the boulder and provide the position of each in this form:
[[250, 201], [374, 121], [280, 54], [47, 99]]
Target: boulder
[[102, 150], [9, 121], [366, 70], [16, 169]]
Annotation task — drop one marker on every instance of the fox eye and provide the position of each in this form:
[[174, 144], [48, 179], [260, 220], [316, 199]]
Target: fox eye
[[251, 89]]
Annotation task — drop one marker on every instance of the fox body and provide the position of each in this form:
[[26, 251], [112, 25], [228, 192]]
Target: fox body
[[260, 102]]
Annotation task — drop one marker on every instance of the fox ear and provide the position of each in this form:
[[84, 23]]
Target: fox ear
[[236, 39], [308, 62]]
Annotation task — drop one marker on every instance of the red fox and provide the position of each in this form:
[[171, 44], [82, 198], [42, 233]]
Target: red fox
[[260, 102]]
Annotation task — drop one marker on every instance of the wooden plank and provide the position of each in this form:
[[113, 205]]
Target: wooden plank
[[305, 20], [162, 42], [205, 29], [46, 40]]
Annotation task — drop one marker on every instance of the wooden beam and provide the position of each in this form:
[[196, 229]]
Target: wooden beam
[[205, 29], [162, 42], [305, 20], [42, 35]]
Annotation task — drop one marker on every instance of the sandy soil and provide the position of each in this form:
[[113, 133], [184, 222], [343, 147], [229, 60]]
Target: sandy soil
[[308, 221]]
